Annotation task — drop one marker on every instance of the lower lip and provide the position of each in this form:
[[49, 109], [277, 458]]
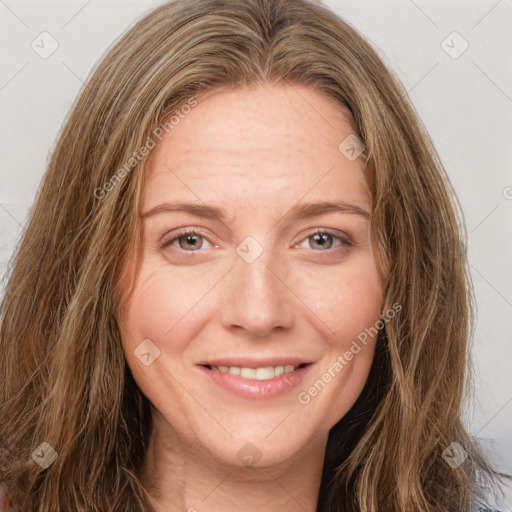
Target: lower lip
[[257, 389]]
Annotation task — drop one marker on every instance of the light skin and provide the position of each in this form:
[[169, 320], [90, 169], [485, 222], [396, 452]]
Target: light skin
[[258, 154]]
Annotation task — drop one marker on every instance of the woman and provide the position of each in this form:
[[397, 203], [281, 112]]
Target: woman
[[256, 373]]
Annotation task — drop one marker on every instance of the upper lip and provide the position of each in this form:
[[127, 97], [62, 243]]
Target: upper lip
[[256, 363]]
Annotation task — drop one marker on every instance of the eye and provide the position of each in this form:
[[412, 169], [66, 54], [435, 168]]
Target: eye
[[324, 240], [188, 240]]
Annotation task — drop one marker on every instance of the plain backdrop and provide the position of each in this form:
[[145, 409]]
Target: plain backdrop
[[453, 57]]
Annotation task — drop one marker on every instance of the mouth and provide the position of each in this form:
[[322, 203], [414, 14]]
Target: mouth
[[256, 373], [256, 380]]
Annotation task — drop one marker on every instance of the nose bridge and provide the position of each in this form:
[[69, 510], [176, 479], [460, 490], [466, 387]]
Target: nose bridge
[[258, 299]]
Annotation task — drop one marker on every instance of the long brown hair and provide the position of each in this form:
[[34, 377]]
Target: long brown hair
[[64, 378]]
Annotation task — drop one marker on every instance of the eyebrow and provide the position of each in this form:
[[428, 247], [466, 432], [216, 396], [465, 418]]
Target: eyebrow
[[299, 211]]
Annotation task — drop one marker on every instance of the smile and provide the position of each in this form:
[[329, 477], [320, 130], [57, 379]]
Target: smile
[[261, 373], [262, 382]]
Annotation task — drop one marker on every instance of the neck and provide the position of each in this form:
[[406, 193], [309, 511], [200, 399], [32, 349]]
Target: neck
[[182, 475]]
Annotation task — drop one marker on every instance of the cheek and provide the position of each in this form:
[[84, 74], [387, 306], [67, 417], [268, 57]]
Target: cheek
[[163, 302], [349, 301], [160, 309], [351, 308]]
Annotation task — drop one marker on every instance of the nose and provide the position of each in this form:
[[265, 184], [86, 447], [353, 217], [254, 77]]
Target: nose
[[258, 299]]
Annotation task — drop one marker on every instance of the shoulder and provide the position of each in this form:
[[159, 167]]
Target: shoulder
[[5, 499], [7, 506]]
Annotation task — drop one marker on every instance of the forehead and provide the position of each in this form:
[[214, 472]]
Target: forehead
[[245, 144]]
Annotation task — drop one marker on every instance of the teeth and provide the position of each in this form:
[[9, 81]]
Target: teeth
[[248, 373], [264, 373]]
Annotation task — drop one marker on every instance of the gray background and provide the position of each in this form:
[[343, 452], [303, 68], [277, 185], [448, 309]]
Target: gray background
[[463, 97]]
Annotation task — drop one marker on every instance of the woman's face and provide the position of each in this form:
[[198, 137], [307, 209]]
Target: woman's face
[[269, 281]]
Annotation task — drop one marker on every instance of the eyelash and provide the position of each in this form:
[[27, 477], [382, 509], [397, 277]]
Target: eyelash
[[344, 241]]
